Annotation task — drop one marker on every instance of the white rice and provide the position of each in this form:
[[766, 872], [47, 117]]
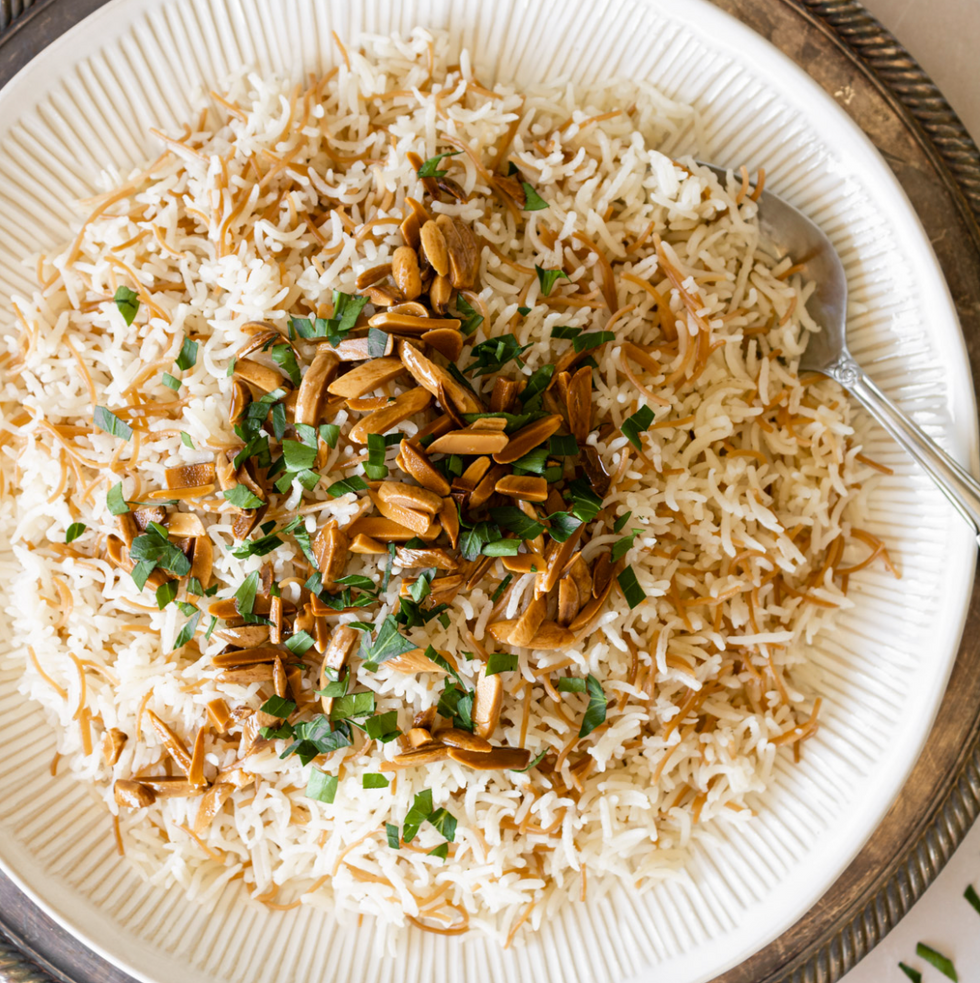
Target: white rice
[[623, 822]]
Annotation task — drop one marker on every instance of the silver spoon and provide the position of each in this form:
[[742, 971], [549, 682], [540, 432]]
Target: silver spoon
[[826, 352]]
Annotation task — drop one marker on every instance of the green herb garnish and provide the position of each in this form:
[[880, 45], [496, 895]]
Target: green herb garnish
[[242, 497], [533, 202], [430, 167], [634, 425], [128, 303], [631, 588], [111, 423], [373, 780], [501, 662], [596, 712], [547, 278], [937, 959], [75, 530], [321, 786]]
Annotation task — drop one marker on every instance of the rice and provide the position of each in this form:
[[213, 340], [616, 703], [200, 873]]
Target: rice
[[742, 498]]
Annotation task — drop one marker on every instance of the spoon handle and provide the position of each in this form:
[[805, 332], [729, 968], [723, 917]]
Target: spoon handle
[[953, 480]]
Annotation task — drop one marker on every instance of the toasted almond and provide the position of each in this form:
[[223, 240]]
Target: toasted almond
[[595, 470], [218, 715], [549, 636], [527, 438], [245, 636], [417, 736], [524, 563], [405, 271], [330, 549], [481, 494], [182, 494], [446, 340], [463, 251], [262, 333], [433, 244], [478, 570], [410, 227], [185, 525], [383, 296], [587, 614], [132, 795], [422, 756], [498, 759], [171, 741], [235, 775], [378, 528], [505, 393], [241, 396], [524, 487], [579, 571], [343, 643], [366, 378], [130, 528], [419, 522], [436, 428], [487, 703], [601, 573], [440, 293], [113, 742], [470, 442], [246, 657], [368, 278], [430, 376], [415, 660], [368, 404], [211, 802], [449, 516], [437, 558], [420, 211], [414, 461], [247, 676], [356, 349], [579, 403], [365, 544], [244, 523], [380, 421], [189, 476], [410, 496], [404, 323], [444, 589], [557, 557], [261, 376], [454, 737], [492, 424], [568, 601], [313, 389], [169, 788], [473, 475], [528, 623]]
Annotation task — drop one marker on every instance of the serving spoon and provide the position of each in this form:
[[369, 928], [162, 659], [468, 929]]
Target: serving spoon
[[793, 234]]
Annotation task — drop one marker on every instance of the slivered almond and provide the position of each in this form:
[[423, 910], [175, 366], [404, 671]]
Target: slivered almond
[[455, 737], [279, 677], [558, 559], [464, 254], [166, 787], [411, 307], [549, 636], [447, 341], [241, 396], [505, 392], [262, 332], [415, 462], [444, 589], [415, 660], [174, 745], [524, 563], [383, 296], [380, 421], [595, 471], [440, 293], [493, 424], [410, 227], [410, 496], [219, 715], [478, 570], [481, 494], [132, 795], [330, 549], [368, 278], [418, 209], [498, 759], [378, 528], [487, 703], [417, 736], [579, 571], [368, 404], [419, 522], [185, 525], [113, 742], [437, 558], [580, 404], [440, 425], [128, 527], [211, 802], [527, 438], [246, 657], [473, 475], [568, 601], [601, 573], [410, 323], [433, 244], [356, 349], [342, 645], [524, 487], [449, 516], [528, 623], [245, 677], [366, 378], [312, 391], [554, 502], [430, 376], [592, 608], [422, 756], [261, 376], [405, 271], [189, 476], [365, 544], [245, 636], [470, 442]]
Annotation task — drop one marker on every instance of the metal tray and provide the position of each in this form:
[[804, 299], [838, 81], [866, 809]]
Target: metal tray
[[896, 104]]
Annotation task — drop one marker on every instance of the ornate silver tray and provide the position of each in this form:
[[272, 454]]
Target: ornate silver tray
[[900, 109]]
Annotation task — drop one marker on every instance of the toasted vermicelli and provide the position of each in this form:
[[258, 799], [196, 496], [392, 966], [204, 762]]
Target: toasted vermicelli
[[533, 640]]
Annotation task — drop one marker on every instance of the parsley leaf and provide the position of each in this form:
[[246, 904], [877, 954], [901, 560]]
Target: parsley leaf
[[634, 425], [469, 319], [347, 486], [943, 963], [241, 496], [492, 354], [171, 382], [593, 339], [166, 592], [621, 521], [430, 168], [114, 500], [278, 706], [155, 546], [128, 303], [533, 202], [377, 342], [510, 517], [631, 588], [187, 357], [596, 712], [75, 530], [111, 423], [622, 546], [418, 814], [284, 356], [501, 662], [388, 644], [536, 385], [373, 780], [321, 786], [547, 278], [330, 432], [245, 595]]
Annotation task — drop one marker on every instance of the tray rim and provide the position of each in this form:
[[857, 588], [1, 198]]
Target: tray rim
[[955, 160]]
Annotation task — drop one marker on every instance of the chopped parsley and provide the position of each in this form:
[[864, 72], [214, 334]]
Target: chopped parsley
[[595, 714], [278, 706], [347, 486], [469, 319], [284, 356], [242, 497], [943, 963], [185, 439], [430, 167], [127, 302], [501, 662], [154, 549], [592, 339], [913, 974], [631, 588], [533, 202], [114, 500], [971, 895], [536, 385], [621, 521], [501, 587], [166, 593], [494, 353], [330, 433], [245, 595], [563, 445], [388, 644], [187, 632], [171, 382], [547, 278], [393, 836], [111, 423], [622, 546], [377, 342], [634, 425], [75, 530], [373, 780], [187, 357], [346, 310], [321, 786]]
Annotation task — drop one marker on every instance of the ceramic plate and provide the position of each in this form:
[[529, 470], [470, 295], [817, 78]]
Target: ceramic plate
[[86, 103]]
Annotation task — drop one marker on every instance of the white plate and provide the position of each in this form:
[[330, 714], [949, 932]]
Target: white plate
[[87, 101]]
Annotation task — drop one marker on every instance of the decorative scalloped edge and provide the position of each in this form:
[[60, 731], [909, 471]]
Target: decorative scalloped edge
[[911, 89]]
